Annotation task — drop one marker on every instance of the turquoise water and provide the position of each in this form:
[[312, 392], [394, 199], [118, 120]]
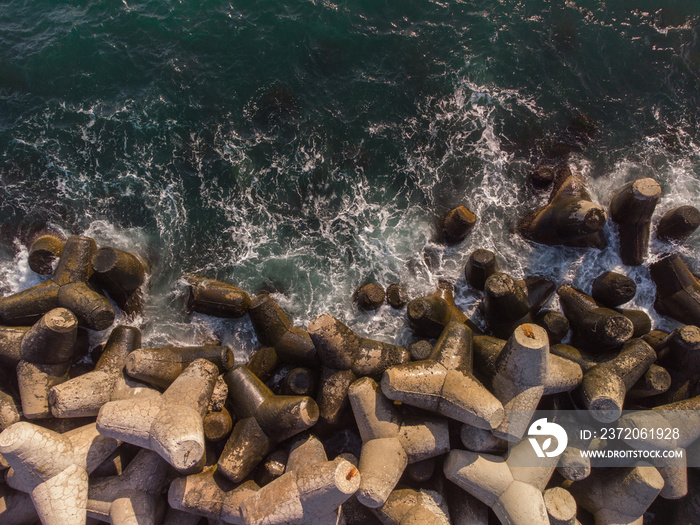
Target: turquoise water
[[303, 148]]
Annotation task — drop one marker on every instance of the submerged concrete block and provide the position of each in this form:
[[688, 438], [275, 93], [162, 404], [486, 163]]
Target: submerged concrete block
[[216, 298], [570, 218]]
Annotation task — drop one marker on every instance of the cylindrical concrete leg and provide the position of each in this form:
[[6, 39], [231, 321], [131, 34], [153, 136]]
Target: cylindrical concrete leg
[[74, 265], [63, 498], [480, 266], [92, 309], [27, 307], [678, 224], [35, 381], [382, 463], [561, 506], [133, 507], [43, 252], [246, 447], [120, 273], [52, 339], [218, 425], [613, 289], [216, 298]]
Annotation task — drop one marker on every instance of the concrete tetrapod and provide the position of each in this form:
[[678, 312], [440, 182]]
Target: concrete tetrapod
[[53, 468], [605, 385], [8, 410], [513, 492], [171, 424], [10, 345], [142, 480], [562, 375], [217, 425], [613, 289], [677, 290], [561, 506], [573, 466], [521, 370], [137, 508], [420, 350], [396, 295], [656, 380], [618, 496], [63, 498], [311, 490], [47, 351], [304, 454], [274, 328], [299, 382], [641, 322], [390, 441], [67, 288], [601, 328], [308, 451], [263, 419], [555, 323], [84, 395], [570, 218], [369, 296], [444, 382], [272, 467], [631, 209], [345, 356], [457, 224], [481, 440], [420, 471], [263, 363]]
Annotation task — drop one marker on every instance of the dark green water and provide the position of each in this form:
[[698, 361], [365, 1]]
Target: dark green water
[[305, 147]]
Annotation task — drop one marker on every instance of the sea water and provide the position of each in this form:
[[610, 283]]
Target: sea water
[[303, 148]]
